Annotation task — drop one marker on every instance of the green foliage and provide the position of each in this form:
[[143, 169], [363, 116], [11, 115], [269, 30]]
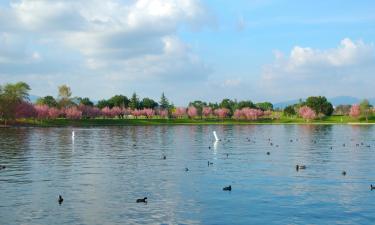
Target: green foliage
[[245, 104], [320, 105], [47, 100], [119, 101], [365, 108], [342, 110], [265, 106], [10, 96], [104, 103], [64, 96], [148, 103], [198, 105], [289, 110], [85, 101], [228, 104], [134, 102], [164, 103]]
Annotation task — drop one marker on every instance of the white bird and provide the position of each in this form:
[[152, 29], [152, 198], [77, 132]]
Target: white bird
[[73, 134], [215, 135]]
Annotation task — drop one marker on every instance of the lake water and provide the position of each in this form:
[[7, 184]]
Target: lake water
[[104, 170]]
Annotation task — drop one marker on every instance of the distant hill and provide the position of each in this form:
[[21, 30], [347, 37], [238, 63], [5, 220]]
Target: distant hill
[[339, 100]]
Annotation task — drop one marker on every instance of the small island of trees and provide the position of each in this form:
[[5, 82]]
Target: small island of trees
[[17, 109]]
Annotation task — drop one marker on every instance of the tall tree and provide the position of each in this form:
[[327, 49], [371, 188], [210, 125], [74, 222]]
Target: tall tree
[[85, 101], [199, 105], [134, 101], [320, 105], [164, 103], [265, 106], [64, 96], [148, 103], [365, 108], [11, 95], [119, 101]]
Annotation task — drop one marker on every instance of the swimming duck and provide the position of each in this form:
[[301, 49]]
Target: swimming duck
[[164, 157], [209, 147], [300, 167], [229, 188], [186, 169], [268, 153], [343, 173], [2, 167], [209, 163], [60, 200], [144, 200], [372, 187]]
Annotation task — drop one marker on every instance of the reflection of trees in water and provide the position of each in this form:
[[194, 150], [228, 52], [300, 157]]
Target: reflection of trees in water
[[14, 145]]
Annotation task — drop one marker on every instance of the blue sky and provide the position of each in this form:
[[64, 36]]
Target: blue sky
[[259, 50]]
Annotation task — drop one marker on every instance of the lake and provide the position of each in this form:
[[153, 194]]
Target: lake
[[103, 171]]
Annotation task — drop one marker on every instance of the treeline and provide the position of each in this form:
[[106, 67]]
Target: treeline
[[15, 104]]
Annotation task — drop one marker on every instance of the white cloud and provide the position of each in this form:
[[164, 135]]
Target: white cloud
[[123, 40], [332, 71]]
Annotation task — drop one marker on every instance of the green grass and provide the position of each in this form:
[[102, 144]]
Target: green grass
[[186, 121]]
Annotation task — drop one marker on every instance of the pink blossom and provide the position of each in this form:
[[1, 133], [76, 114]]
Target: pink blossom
[[207, 111], [179, 112], [136, 113], [25, 110], [252, 114], [222, 113], [42, 111], [237, 114], [306, 113], [53, 113], [355, 111], [163, 113], [106, 112], [149, 113], [192, 112], [116, 111], [73, 113]]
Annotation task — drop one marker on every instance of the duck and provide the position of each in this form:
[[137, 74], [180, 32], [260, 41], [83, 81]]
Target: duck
[[268, 153], [164, 157], [228, 188], [343, 173], [186, 169], [331, 147], [2, 167], [60, 200], [372, 187], [300, 167], [209, 163], [144, 200], [209, 147], [227, 155]]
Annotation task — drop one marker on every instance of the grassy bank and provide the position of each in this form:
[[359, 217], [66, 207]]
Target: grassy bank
[[143, 121]]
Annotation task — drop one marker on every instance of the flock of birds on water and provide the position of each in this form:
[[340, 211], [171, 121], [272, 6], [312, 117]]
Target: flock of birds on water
[[226, 188]]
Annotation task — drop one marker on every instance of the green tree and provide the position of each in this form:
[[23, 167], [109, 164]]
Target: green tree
[[365, 108], [10, 96], [265, 106], [104, 103], [119, 101], [245, 104], [164, 103], [47, 100], [320, 105], [199, 106], [289, 110], [228, 104], [134, 101], [85, 101], [148, 103]]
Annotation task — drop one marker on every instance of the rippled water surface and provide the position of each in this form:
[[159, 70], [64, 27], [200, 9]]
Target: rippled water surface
[[103, 171]]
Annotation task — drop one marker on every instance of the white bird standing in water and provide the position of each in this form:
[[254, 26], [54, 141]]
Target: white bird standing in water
[[73, 135]]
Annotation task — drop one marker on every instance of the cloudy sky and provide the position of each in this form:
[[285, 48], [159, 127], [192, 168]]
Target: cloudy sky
[[191, 49]]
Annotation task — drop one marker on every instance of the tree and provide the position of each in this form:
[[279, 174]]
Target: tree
[[206, 112], [104, 103], [179, 112], [192, 112], [222, 112], [64, 96], [245, 104], [342, 109], [119, 101], [134, 102], [320, 105], [73, 113], [289, 110], [307, 113], [85, 101], [164, 103], [148, 103], [355, 111], [265, 106], [48, 100], [228, 104], [365, 108], [198, 105], [11, 95]]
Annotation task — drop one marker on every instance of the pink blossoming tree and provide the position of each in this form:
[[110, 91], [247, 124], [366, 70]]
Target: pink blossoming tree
[[307, 113]]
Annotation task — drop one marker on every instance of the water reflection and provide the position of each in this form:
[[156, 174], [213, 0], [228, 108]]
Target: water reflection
[[104, 170]]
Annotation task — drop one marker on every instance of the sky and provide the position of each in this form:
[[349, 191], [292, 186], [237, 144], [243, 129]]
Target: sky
[[259, 50]]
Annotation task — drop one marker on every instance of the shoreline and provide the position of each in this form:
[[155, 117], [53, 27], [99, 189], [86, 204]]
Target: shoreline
[[170, 122]]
